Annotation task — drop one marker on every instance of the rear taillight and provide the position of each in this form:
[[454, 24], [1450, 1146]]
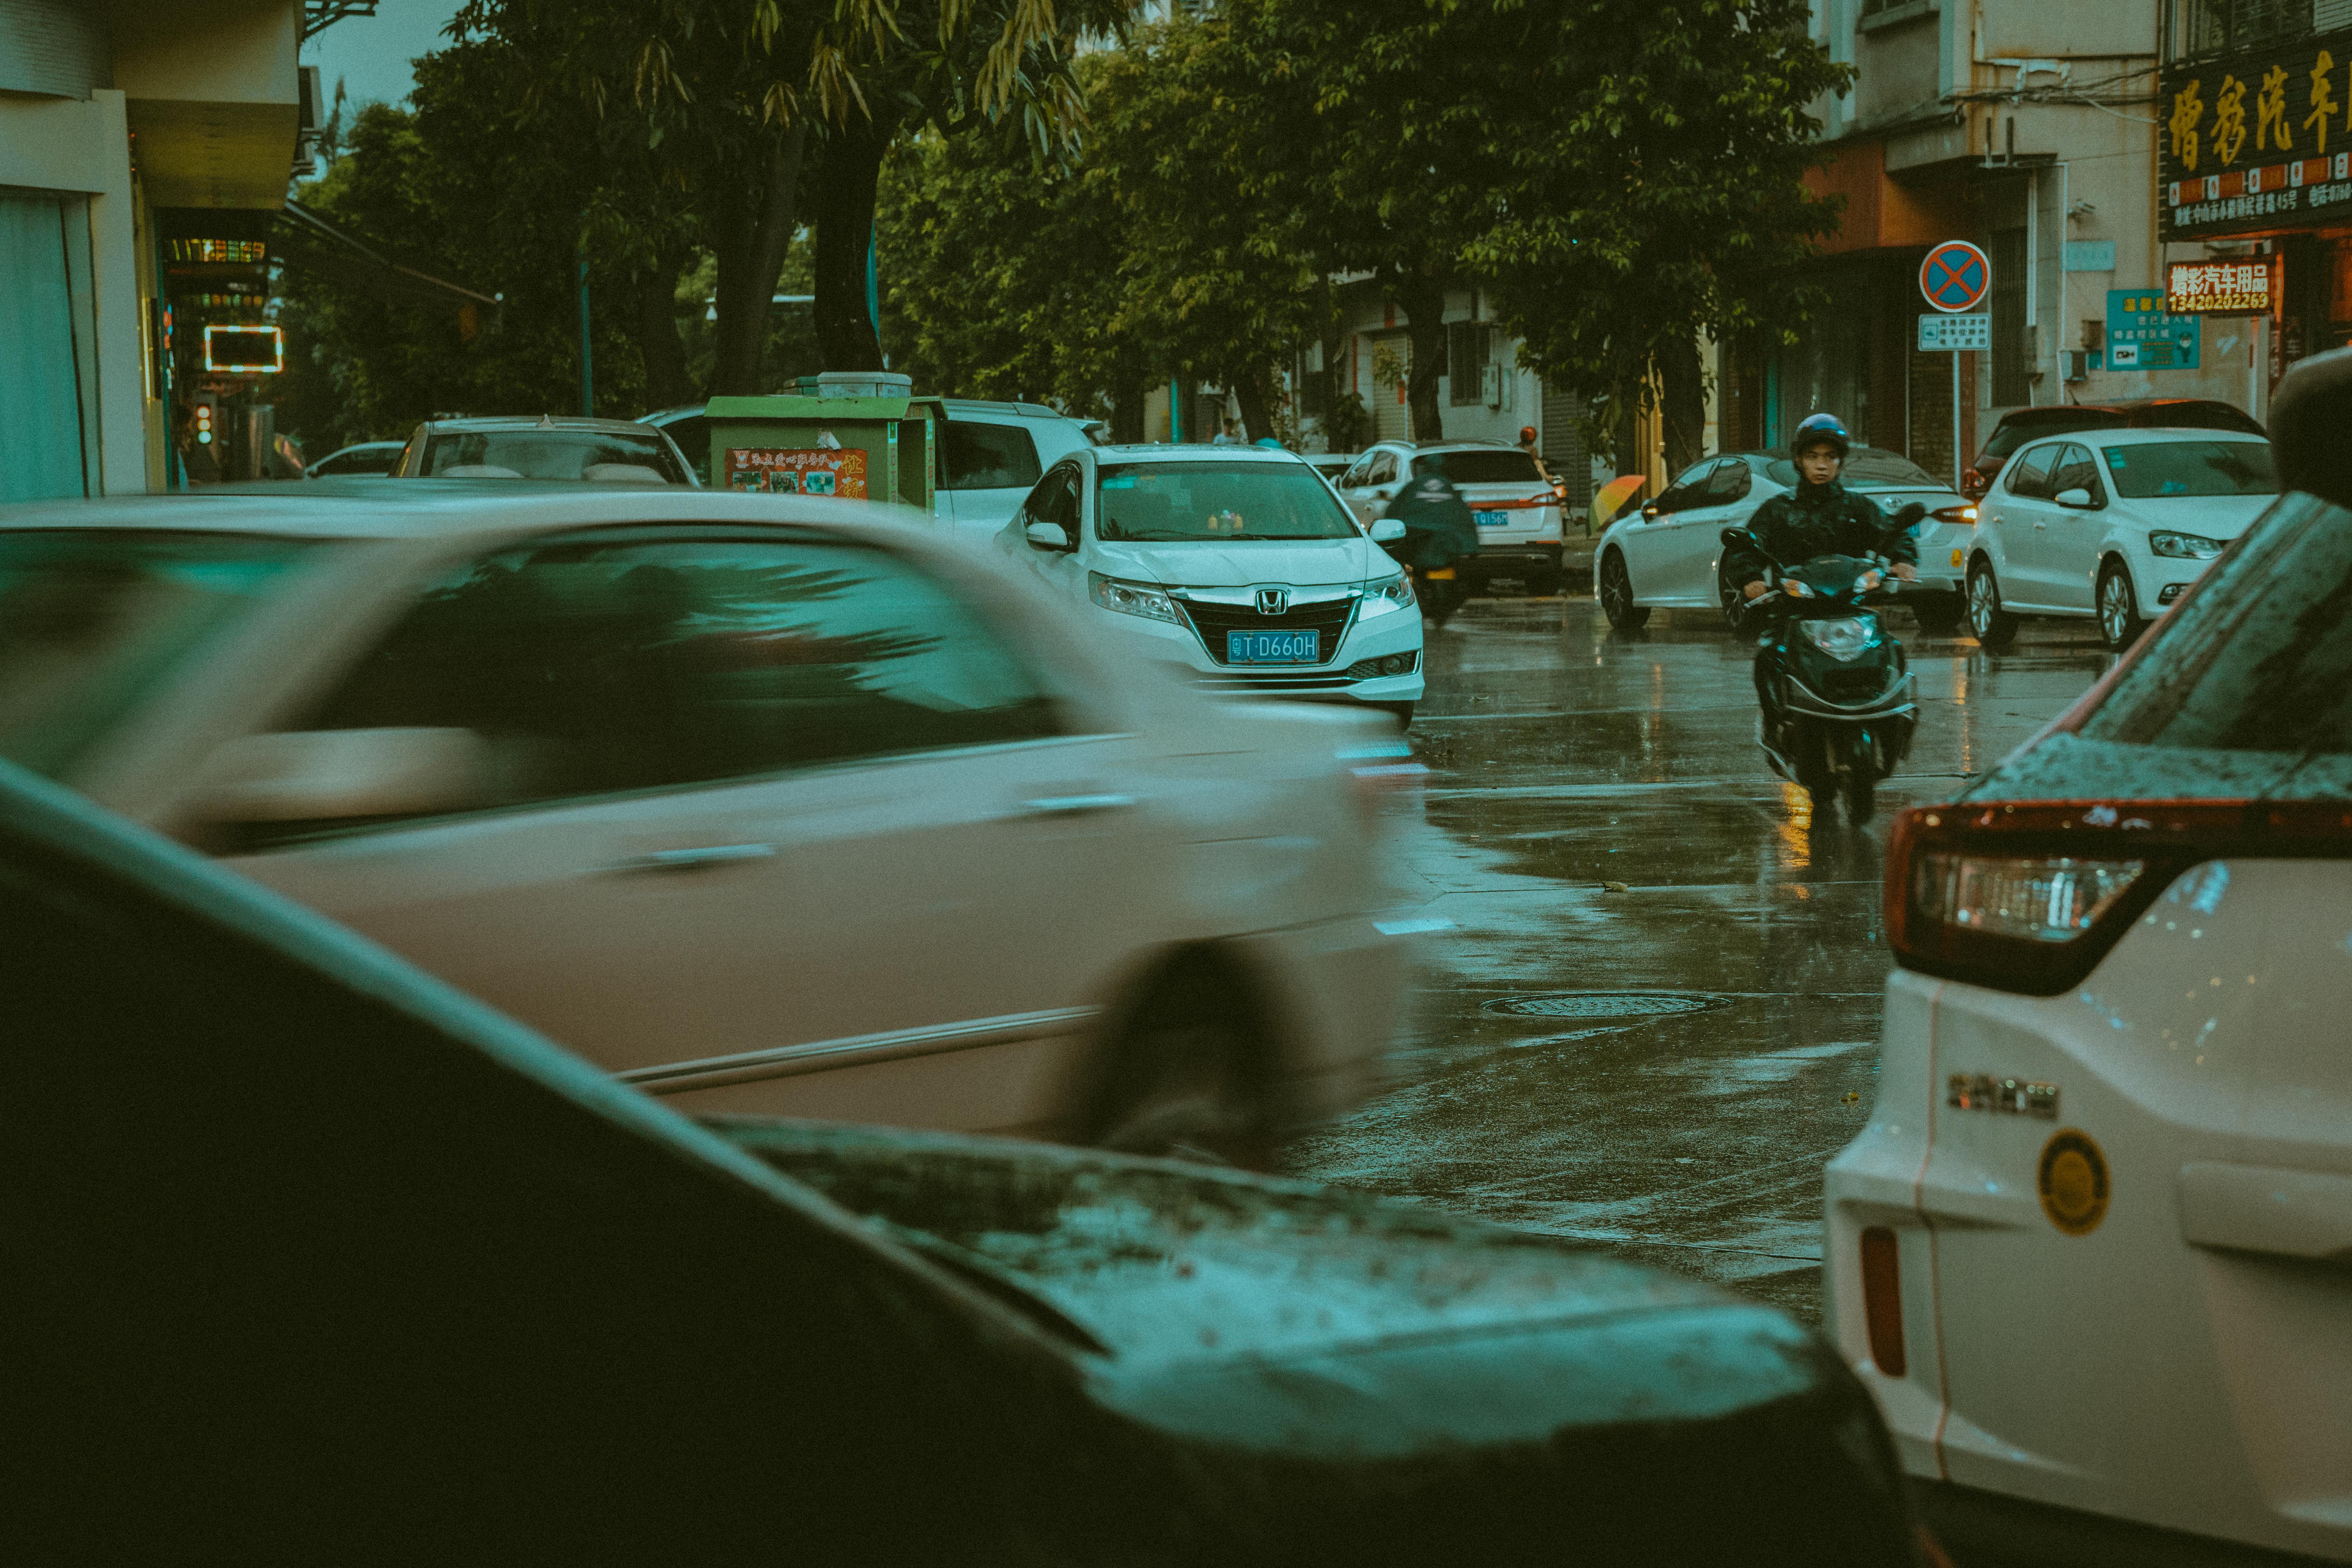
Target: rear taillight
[[2029, 896], [1882, 1298]]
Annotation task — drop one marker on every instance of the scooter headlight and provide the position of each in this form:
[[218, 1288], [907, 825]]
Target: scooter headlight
[[1843, 640]]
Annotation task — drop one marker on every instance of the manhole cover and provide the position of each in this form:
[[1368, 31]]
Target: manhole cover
[[1602, 1004]]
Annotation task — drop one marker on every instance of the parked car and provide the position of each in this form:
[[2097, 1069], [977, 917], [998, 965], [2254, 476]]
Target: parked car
[[601, 451], [2112, 527], [1669, 553], [1516, 510], [1332, 466], [1235, 566], [2019, 425], [689, 429], [319, 1261], [363, 457], [765, 804], [2089, 1250]]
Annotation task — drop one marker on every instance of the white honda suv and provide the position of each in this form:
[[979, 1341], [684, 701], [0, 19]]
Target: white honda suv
[[1237, 563], [2089, 1252]]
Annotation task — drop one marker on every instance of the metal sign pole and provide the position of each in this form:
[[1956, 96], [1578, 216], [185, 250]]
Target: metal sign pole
[[1956, 423]]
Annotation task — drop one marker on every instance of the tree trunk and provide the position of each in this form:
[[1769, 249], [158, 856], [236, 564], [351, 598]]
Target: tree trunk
[[657, 340], [1422, 299], [847, 337], [1683, 412], [1251, 390], [1128, 388], [750, 256]]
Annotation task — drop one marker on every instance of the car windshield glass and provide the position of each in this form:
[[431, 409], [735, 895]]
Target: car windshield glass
[[1493, 468], [93, 622], [535, 453], [2261, 658], [1866, 468], [1216, 502], [2193, 468], [360, 460]]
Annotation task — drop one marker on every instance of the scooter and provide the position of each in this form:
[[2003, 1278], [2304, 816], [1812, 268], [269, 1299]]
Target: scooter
[[1838, 711]]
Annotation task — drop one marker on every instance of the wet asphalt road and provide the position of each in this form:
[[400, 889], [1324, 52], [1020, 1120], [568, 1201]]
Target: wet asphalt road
[[1683, 1122]]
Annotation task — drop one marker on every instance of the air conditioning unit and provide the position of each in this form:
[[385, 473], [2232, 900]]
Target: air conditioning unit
[[2078, 367], [1490, 386]]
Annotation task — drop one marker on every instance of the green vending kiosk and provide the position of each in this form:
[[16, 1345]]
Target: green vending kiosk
[[854, 448]]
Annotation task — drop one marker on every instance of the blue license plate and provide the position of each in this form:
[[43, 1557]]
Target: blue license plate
[[1491, 518], [1272, 647]]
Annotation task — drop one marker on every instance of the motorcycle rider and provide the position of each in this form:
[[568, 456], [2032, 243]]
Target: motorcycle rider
[[1819, 517], [1438, 531]]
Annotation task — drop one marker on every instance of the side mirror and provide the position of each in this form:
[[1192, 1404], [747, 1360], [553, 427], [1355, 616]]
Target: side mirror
[[1733, 538], [2078, 498], [1650, 509], [1048, 536], [1387, 530], [311, 775]]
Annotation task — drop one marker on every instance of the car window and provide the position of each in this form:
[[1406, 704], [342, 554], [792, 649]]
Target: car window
[[2072, 469], [95, 622], [692, 435], [2261, 658], [1354, 478], [1383, 469], [2030, 476], [369, 461], [1056, 501], [1228, 500], [595, 666], [2151, 469], [1728, 483], [548, 454], [1866, 468], [976, 456], [1483, 467]]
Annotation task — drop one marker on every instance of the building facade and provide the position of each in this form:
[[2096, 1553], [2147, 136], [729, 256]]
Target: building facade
[[142, 150]]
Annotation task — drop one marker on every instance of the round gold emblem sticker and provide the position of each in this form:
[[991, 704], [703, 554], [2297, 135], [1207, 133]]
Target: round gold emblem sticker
[[2073, 1179]]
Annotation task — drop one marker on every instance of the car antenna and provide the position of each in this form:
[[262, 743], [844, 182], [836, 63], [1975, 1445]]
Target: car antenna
[[547, 420]]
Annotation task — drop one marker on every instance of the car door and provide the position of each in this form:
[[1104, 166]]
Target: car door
[[985, 470], [1698, 534], [2070, 538], [782, 824], [1650, 538], [2016, 522]]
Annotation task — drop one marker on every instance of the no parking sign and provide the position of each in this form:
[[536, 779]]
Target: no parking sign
[[1955, 277]]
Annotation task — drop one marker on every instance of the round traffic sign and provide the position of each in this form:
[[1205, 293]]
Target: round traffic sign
[[1955, 277]]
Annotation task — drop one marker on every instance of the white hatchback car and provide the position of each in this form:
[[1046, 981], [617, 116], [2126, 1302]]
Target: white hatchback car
[[1236, 564], [2091, 1251], [2112, 525], [767, 805], [1515, 509]]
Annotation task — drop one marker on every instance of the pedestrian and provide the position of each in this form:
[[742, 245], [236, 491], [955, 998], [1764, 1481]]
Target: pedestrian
[[1527, 444], [1231, 436]]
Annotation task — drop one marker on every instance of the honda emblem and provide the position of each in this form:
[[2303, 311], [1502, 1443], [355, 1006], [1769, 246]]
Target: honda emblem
[[1272, 601]]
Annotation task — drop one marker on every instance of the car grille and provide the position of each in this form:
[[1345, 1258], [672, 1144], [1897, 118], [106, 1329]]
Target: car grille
[[1212, 621]]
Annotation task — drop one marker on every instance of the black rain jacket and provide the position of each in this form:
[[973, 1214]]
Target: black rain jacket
[[1810, 520], [1438, 528]]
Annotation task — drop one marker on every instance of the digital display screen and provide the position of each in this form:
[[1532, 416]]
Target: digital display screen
[[245, 350]]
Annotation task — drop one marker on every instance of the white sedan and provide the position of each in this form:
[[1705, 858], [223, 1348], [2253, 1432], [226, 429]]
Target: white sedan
[[1668, 555], [1238, 566], [766, 805], [2111, 526], [2091, 1249]]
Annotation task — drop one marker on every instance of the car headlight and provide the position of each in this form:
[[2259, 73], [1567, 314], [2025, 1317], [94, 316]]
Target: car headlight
[[1396, 593], [2184, 547], [1131, 598], [1845, 639]]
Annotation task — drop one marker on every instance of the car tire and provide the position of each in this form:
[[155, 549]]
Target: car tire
[[1184, 1076], [1939, 614], [1988, 622], [2120, 622], [1617, 596]]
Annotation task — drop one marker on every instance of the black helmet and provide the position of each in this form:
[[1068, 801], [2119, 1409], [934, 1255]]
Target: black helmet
[[1817, 428]]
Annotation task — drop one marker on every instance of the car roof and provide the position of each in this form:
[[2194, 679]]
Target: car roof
[[365, 507], [536, 421], [1193, 452], [2144, 435], [363, 446]]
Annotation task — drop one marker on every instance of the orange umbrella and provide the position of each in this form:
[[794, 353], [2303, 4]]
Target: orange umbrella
[[1612, 498]]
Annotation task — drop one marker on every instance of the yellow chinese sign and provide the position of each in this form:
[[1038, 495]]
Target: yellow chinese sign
[[2220, 287], [2257, 141]]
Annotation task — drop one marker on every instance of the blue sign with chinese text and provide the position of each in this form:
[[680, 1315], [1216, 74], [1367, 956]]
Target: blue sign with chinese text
[[2143, 335]]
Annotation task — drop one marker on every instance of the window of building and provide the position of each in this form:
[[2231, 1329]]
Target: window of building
[[2201, 28], [1469, 345]]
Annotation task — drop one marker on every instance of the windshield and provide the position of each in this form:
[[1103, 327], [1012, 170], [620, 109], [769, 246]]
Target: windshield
[[552, 454], [92, 622], [1493, 467], [1216, 502], [1866, 469], [2192, 468], [2260, 659]]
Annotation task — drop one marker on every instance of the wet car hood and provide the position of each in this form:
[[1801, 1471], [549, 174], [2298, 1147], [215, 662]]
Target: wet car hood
[[2213, 517], [1307, 564]]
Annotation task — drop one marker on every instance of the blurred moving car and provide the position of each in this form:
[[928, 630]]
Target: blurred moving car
[[2114, 527], [364, 458], [1516, 509], [1669, 553], [307, 1250], [1236, 565], [600, 451], [763, 804], [2089, 1252], [2019, 425]]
